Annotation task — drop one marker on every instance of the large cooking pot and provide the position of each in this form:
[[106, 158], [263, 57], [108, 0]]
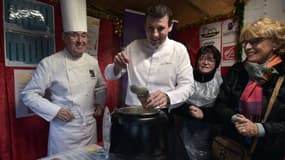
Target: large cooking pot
[[139, 134]]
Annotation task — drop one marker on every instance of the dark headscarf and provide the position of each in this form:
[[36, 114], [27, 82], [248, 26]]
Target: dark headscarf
[[205, 77]]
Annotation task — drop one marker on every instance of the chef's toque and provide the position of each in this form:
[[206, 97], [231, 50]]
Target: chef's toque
[[74, 16]]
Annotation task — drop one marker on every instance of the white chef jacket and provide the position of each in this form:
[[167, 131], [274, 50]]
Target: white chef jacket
[[166, 68], [206, 93], [73, 83]]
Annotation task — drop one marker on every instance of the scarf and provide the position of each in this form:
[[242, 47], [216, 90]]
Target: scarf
[[203, 77], [250, 104]]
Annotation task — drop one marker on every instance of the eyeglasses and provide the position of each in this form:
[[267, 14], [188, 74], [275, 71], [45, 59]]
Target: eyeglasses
[[207, 58], [253, 41], [75, 35]]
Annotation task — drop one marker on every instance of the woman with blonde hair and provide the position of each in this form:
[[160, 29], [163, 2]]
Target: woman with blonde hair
[[247, 88]]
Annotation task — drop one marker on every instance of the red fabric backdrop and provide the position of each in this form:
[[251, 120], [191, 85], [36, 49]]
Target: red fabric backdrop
[[190, 38], [5, 138], [109, 43]]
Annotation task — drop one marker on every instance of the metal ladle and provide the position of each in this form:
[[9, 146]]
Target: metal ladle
[[142, 94]]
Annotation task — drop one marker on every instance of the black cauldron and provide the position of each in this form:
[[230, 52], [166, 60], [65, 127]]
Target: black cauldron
[[139, 134]]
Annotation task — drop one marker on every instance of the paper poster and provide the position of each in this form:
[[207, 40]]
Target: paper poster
[[21, 78], [229, 55], [229, 42], [229, 31], [214, 42], [210, 34], [222, 35], [93, 35]]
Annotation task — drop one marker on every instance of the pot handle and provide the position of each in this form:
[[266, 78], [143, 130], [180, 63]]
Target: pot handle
[[114, 112]]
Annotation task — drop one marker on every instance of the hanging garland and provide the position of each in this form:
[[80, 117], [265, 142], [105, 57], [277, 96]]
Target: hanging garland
[[206, 20], [115, 18], [239, 16], [118, 26]]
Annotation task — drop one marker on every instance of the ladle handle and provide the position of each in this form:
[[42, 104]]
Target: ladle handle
[[128, 72]]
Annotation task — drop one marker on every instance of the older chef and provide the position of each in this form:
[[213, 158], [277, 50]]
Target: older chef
[[74, 81]]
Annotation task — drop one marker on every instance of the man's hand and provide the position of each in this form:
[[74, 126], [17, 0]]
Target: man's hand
[[157, 99], [64, 115], [120, 60], [98, 110]]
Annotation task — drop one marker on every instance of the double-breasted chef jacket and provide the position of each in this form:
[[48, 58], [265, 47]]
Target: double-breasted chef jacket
[[72, 83]]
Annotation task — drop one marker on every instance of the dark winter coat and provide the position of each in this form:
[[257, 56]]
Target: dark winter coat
[[272, 145]]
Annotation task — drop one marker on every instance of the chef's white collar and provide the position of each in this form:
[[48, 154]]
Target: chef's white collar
[[160, 46]]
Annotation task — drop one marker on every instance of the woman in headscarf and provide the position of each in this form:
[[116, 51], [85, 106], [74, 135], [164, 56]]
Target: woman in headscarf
[[196, 130]]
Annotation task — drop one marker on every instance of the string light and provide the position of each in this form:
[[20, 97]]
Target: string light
[[239, 16], [116, 19]]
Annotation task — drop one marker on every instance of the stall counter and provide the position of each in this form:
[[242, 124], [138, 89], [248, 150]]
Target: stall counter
[[90, 152]]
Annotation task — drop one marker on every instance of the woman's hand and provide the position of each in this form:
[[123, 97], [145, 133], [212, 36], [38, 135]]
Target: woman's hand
[[196, 112], [245, 126]]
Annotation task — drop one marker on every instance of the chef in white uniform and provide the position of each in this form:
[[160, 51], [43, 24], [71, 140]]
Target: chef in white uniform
[[157, 63], [75, 85]]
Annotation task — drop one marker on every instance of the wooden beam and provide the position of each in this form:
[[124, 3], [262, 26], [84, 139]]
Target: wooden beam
[[198, 7]]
